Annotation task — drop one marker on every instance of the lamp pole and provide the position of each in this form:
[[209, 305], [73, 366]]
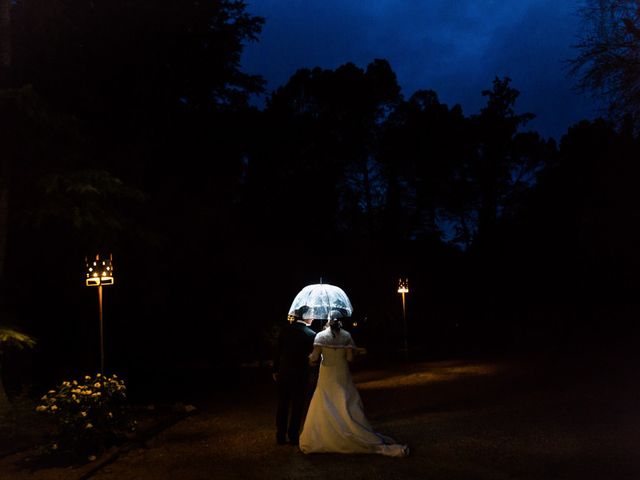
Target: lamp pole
[[403, 288], [99, 273], [101, 330]]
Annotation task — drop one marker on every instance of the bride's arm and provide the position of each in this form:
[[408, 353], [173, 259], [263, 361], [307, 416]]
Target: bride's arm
[[350, 355], [315, 356], [352, 350]]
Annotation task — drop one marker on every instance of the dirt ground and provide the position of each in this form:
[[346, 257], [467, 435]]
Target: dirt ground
[[543, 417]]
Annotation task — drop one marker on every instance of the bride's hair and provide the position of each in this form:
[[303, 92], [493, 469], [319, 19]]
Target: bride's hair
[[335, 325], [334, 322]]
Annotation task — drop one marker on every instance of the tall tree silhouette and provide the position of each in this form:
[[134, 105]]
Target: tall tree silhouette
[[323, 127], [146, 58], [151, 81], [145, 96], [423, 144], [505, 160], [579, 226], [608, 51], [5, 65], [602, 199], [5, 38]]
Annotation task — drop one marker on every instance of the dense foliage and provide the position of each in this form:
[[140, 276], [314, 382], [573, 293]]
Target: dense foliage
[[128, 128], [90, 414]]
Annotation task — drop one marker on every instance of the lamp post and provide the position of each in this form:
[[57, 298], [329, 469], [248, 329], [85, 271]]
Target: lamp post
[[403, 288], [99, 272]]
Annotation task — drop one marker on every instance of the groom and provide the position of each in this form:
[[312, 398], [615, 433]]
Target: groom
[[291, 373]]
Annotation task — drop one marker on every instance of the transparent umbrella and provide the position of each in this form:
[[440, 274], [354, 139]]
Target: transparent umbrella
[[317, 302]]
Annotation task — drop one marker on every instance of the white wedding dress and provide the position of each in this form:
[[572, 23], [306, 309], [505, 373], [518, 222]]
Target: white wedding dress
[[335, 421]]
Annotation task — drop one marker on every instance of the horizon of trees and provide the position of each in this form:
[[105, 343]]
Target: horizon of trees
[[140, 141]]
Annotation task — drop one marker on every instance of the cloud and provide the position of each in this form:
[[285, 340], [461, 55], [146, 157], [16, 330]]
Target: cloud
[[455, 47]]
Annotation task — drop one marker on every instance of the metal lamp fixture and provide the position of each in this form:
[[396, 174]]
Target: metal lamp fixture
[[403, 288], [99, 272]]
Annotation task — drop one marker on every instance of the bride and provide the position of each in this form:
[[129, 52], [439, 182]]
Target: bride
[[335, 421]]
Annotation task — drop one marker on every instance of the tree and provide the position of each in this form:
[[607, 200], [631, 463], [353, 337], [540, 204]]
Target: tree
[[10, 337], [321, 144], [608, 62], [48, 177], [504, 161], [5, 38], [116, 98], [423, 142], [150, 82], [148, 58], [5, 65], [579, 229]]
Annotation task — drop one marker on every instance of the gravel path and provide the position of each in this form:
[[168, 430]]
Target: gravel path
[[533, 419]]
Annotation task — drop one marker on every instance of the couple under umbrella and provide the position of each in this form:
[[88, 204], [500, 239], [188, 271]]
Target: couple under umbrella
[[335, 420]]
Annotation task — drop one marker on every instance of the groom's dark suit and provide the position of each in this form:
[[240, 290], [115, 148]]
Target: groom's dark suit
[[291, 370]]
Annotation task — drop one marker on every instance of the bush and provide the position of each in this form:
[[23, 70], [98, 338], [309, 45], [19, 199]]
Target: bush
[[90, 414]]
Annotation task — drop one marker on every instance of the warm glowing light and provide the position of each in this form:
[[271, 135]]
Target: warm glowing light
[[104, 277], [431, 373], [403, 286]]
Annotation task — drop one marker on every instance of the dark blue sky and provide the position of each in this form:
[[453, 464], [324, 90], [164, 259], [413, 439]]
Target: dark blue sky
[[455, 47]]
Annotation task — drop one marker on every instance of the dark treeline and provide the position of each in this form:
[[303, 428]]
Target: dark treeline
[[127, 128]]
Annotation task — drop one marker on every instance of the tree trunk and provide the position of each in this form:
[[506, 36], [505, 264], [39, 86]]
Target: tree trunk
[[366, 181], [5, 406], [4, 227], [5, 36], [5, 65]]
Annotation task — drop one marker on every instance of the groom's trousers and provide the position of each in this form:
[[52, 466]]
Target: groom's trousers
[[291, 402]]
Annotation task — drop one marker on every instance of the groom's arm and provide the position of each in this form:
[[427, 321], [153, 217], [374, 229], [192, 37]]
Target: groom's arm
[[276, 360], [315, 356]]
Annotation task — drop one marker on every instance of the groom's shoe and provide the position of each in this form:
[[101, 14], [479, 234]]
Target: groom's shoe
[[295, 442], [281, 440]]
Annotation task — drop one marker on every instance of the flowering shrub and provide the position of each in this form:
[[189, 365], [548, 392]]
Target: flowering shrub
[[90, 413]]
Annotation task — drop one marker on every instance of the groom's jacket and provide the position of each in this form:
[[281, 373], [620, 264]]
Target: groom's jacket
[[295, 343]]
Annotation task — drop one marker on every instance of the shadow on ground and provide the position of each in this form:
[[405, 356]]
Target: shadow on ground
[[537, 417]]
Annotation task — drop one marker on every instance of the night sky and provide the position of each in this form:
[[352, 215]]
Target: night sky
[[455, 47]]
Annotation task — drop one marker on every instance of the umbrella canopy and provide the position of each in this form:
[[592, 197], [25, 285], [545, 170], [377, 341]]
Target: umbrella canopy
[[320, 301]]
